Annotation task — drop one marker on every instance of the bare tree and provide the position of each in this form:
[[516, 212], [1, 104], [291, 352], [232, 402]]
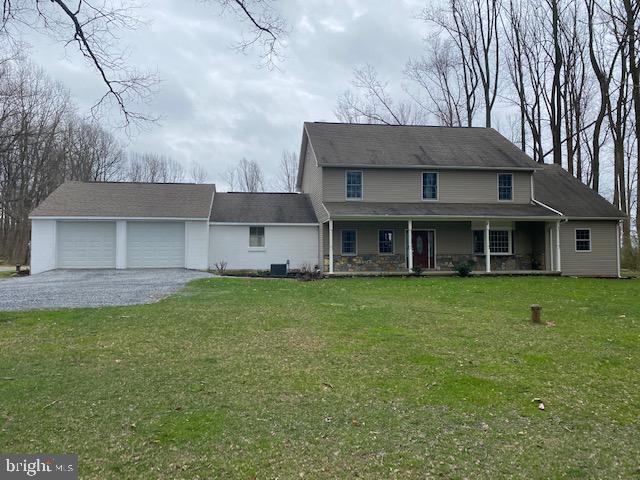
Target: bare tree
[[153, 168], [631, 11], [43, 143], [197, 173], [93, 28], [473, 26], [247, 176], [603, 60], [373, 104], [439, 78], [288, 172]]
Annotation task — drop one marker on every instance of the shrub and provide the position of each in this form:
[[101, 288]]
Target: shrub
[[630, 258], [535, 263], [464, 269], [308, 274], [221, 267], [417, 269]]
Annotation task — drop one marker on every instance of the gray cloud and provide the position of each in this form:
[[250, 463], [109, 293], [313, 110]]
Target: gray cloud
[[216, 105]]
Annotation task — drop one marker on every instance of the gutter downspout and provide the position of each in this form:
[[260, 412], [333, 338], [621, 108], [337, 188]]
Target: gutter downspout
[[556, 260]]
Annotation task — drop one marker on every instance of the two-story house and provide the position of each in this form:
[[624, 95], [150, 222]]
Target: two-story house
[[393, 198], [373, 198]]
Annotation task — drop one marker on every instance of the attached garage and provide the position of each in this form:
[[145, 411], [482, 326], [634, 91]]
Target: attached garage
[[122, 225], [86, 245], [155, 245]]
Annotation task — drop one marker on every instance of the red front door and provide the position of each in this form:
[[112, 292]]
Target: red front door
[[423, 249]]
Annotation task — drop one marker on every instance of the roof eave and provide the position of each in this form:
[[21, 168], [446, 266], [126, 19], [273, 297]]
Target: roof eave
[[445, 217], [114, 218], [439, 167]]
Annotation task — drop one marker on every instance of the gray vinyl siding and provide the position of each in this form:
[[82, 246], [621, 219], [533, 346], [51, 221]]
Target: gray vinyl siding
[[601, 261], [367, 236], [312, 185], [452, 238], [405, 185], [312, 177]]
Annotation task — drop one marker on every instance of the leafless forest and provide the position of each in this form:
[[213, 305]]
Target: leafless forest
[[560, 78], [43, 142]]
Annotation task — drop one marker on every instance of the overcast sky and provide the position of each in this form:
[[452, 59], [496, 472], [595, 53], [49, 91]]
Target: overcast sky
[[216, 105]]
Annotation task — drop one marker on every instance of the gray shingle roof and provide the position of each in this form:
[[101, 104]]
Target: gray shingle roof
[[262, 208], [555, 187], [339, 209], [341, 144], [109, 199]]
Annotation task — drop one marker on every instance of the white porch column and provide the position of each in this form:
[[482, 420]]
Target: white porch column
[[487, 250], [558, 263], [330, 246], [618, 235], [121, 244], [410, 250]]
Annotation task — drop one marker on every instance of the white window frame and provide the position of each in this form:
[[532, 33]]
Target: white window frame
[[346, 176], [355, 230], [513, 193], [393, 241], [575, 240], [493, 254], [264, 239], [437, 186]]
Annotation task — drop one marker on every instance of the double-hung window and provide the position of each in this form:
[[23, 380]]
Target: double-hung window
[[429, 186], [385, 241], [505, 186], [256, 237], [583, 240], [499, 242], [353, 185], [349, 242]]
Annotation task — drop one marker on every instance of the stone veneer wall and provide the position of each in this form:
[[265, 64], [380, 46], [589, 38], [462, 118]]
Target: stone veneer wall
[[396, 262], [366, 263], [498, 262]]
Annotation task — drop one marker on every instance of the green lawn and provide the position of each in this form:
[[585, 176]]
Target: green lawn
[[344, 378]]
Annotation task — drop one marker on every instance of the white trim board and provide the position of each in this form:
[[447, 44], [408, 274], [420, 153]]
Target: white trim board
[[112, 219], [260, 224]]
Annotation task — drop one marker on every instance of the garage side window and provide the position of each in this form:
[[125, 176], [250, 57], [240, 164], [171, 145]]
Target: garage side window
[[256, 237], [583, 240]]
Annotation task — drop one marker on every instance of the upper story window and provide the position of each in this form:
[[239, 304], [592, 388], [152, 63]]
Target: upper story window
[[385, 241], [349, 242], [429, 186], [256, 237], [505, 186], [583, 240], [354, 185]]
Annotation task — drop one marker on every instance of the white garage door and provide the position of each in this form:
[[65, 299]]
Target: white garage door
[[155, 244], [86, 245]]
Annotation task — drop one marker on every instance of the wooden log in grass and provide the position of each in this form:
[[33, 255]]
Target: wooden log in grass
[[535, 313]]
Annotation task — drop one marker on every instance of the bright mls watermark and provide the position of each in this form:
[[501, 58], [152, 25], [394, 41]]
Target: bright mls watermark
[[38, 467]]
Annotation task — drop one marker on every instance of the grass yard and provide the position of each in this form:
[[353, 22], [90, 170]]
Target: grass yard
[[345, 378]]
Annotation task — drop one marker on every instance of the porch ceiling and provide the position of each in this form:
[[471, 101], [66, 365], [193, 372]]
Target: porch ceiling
[[438, 210]]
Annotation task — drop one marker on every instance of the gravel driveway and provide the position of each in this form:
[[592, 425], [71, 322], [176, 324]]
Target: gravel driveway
[[92, 288]]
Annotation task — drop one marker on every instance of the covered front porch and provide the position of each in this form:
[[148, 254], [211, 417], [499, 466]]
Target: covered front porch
[[437, 247]]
